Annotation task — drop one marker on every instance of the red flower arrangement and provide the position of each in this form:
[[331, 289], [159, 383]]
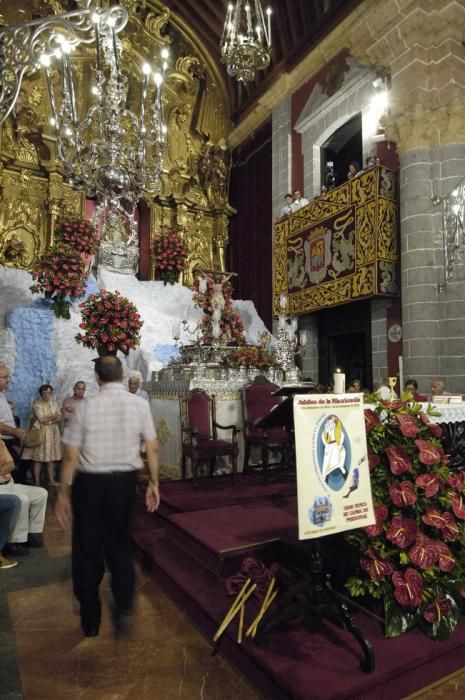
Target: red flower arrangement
[[170, 253], [79, 234], [231, 324], [413, 558], [251, 356], [110, 323], [59, 273]]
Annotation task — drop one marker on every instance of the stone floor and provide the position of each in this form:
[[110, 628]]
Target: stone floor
[[45, 657]]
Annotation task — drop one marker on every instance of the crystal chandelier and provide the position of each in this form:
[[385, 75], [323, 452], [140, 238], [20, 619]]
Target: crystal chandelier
[[113, 153], [246, 41]]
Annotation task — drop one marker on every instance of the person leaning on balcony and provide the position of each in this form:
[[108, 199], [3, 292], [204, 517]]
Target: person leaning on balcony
[[299, 201], [287, 208]]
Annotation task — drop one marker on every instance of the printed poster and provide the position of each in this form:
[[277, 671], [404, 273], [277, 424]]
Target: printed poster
[[333, 478]]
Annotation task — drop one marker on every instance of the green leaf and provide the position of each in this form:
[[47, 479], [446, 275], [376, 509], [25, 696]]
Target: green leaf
[[398, 619]]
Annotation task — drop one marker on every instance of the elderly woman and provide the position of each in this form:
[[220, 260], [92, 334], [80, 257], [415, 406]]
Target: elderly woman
[[46, 414]]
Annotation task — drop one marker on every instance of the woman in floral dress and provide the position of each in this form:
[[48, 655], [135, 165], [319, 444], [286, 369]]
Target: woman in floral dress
[[46, 414]]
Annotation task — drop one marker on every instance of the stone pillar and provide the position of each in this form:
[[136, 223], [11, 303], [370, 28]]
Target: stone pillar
[[419, 42], [281, 154], [379, 342]]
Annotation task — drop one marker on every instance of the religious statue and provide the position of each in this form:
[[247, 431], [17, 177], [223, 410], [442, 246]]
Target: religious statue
[[15, 252], [213, 170]]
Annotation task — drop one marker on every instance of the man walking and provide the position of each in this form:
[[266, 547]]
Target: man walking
[[102, 443]]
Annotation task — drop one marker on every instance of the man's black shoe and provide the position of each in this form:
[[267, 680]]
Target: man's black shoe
[[15, 549], [90, 630]]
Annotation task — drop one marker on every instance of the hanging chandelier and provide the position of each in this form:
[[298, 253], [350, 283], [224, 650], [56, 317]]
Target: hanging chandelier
[[246, 41], [113, 153]]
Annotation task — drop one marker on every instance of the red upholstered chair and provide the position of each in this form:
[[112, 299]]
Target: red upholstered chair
[[257, 401], [200, 443]]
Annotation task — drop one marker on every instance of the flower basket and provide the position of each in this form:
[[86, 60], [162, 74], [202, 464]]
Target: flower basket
[[79, 234], [110, 323], [413, 558], [252, 357], [170, 255], [61, 275]]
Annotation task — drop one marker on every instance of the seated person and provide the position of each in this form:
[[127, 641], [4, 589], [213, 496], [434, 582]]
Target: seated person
[[27, 531], [287, 208], [355, 386], [381, 389], [9, 509], [438, 387], [134, 382], [410, 392]]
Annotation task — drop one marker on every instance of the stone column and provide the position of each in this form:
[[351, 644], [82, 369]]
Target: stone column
[[281, 154], [419, 42]]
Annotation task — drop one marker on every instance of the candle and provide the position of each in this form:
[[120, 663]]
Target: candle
[[401, 372], [339, 379]]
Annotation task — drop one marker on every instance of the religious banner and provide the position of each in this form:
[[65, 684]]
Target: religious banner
[[341, 247], [333, 477]]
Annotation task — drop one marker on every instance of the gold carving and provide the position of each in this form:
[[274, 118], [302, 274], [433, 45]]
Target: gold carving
[[340, 247], [195, 178]]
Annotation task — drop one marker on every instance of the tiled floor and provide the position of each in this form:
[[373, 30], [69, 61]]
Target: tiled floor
[[45, 657]]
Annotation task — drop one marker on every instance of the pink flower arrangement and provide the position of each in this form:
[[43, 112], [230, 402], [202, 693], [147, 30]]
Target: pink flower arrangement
[[413, 557], [79, 234], [170, 253], [59, 273], [110, 323]]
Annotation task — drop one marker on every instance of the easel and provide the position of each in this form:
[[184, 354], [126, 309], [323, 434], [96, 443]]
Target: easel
[[314, 594]]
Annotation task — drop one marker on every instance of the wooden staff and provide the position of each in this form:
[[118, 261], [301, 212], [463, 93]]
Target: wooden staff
[[239, 602], [267, 601]]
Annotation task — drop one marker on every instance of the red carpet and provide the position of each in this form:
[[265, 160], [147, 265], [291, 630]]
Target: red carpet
[[306, 660]]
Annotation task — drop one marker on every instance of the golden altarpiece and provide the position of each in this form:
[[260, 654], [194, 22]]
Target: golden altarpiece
[[193, 194]]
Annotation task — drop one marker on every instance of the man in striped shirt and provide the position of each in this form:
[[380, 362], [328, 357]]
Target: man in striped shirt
[[102, 450]]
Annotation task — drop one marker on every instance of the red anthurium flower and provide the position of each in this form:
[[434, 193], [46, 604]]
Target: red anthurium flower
[[449, 529], [429, 482], [424, 552], [402, 531], [456, 480], [435, 430], [462, 591], [402, 493], [437, 609], [394, 405], [408, 425], [408, 587], [429, 454], [376, 568], [399, 461], [373, 459], [446, 561], [371, 419], [433, 517], [458, 506], [381, 513]]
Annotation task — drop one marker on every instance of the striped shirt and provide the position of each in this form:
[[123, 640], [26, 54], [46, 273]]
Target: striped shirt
[[108, 429]]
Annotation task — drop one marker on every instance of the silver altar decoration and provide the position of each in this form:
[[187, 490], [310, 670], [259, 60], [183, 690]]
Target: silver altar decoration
[[118, 258], [111, 152], [246, 40], [288, 342], [453, 229]]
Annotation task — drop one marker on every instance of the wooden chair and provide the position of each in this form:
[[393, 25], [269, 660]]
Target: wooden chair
[[257, 402], [200, 442]]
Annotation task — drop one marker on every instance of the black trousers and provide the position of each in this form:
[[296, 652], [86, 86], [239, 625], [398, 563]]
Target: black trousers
[[102, 508]]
